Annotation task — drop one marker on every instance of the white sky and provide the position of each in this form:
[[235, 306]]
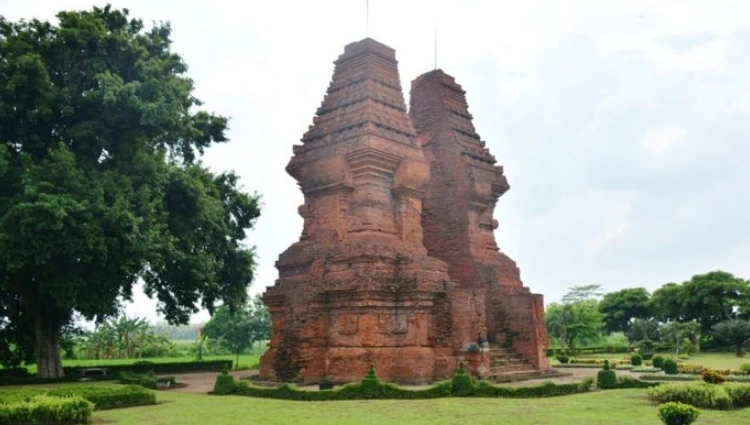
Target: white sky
[[622, 126]]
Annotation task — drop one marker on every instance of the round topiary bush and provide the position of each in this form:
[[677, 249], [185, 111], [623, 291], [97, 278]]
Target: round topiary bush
[[563, 358], [658, 361], [745, 368], [461, 383], [713, 377], [636, 359], [606, 378], [678, 414], [224, 384], [669, 367]]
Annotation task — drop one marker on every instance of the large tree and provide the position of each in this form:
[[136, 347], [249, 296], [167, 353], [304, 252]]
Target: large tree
[[620, 307], [574, 323], [99, 185]]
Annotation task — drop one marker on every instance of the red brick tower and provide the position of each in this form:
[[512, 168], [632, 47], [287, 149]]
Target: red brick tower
[[358, 288], [464, 186]]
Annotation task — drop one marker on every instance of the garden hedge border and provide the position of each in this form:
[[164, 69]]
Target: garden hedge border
[[72, 374], [461, 385], [103, 397]]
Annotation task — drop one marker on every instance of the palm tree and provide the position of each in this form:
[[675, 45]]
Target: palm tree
[[734, 332]]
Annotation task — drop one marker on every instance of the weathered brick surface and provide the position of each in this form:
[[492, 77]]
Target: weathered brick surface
[[359, 288], [464, 186]]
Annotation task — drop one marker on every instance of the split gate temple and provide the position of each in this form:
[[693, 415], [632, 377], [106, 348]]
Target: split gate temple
[[397, 266]]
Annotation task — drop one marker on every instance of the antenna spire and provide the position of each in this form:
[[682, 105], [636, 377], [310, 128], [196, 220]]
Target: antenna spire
[[435, 49], [367, 18]]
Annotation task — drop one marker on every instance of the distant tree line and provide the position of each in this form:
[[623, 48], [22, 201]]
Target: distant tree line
[[711, 308]]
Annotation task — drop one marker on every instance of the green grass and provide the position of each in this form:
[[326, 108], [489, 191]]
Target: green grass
[[602, 407]]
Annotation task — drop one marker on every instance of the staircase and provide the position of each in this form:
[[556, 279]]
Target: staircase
[[506, 365]]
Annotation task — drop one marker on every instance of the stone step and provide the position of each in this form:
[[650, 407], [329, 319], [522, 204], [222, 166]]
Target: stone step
[[522, 375]]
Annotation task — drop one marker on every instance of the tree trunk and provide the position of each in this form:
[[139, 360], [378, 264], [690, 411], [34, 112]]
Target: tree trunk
[[47, 349], [738, 349], [237, 361]]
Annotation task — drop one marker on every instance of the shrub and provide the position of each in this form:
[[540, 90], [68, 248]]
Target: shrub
[[102, 397], [461, 383], [606, 378], [370, 386], [360, 390], [699, 394], [669, 367], [47, 410], [647, 356], [657, 361], [628, 382], [745, 368], [563, 358], [224, 383], [692, 369], [678, 414], [713, 377], [325, 385], [636, 359]]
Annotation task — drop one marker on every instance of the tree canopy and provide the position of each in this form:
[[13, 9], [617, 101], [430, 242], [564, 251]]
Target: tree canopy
[[239, 328], [620, 307], [100, 185]]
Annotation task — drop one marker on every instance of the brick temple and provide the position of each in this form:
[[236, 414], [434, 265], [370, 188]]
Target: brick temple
[[397, 265]]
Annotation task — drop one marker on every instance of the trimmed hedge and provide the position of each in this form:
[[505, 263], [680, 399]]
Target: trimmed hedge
[[372, 388], [678, 414], [46, 410], [146, 380], [701, 394], [224, 384], [102, 397], [16, 372], [73, 374]]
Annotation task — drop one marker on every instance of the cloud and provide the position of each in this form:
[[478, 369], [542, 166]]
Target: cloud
[[659, 139]]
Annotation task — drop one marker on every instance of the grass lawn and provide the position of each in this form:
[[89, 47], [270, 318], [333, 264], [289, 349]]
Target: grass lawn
[[602, 407]]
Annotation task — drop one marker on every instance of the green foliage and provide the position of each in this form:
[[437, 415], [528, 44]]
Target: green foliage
[[101, 397], [146, 380], [46, 410], [707, 298], [606, 378], [124, 338], [713, 377], [701, 394], [461, 383], [371, 388], [624, 382], [643, 329], [636, 359], [224, 384], [735, 332], [563, 358], [574, 323], [100, 186], [240, 327], [621, 307], [745, 368], [669, 367], [678, 414], [658, 361], [73, 374], [582, 293]]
